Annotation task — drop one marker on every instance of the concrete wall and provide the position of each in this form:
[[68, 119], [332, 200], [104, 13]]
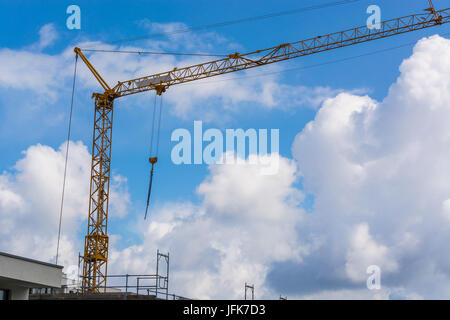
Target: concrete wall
[[18, 293]]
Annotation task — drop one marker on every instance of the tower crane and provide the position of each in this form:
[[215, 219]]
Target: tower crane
[[95, 258]]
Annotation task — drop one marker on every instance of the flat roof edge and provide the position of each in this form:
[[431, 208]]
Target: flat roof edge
[[30, 260]]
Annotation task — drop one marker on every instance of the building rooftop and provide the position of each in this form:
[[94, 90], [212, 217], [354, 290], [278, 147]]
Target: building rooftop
[[30, 260]]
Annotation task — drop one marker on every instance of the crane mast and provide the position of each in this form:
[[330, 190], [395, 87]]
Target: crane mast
[[95, 257]]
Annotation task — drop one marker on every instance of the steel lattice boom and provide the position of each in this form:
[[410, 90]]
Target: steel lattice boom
[[96, 240], [238, 62]]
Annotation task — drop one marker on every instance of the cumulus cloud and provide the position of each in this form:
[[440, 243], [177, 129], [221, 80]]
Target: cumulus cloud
[[33, 72], [363, 252], [47, 36], [379, 174], [229, 238], [30, 195]]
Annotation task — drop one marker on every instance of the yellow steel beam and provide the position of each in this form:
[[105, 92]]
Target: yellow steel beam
[[92, 69], [96, 240], [237, 62]]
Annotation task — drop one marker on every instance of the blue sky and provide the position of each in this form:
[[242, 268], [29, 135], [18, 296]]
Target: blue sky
[[43, 119], [111, 21]]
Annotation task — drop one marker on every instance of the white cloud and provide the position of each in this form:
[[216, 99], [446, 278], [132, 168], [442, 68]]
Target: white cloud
[[363, 252], [47, 36], [230, 238], [33, 72], [30, 196], [384, 167]]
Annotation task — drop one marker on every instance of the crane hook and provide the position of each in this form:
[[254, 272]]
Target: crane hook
[[152, 160]]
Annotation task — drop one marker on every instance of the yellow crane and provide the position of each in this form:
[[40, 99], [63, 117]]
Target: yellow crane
[[95, 257]]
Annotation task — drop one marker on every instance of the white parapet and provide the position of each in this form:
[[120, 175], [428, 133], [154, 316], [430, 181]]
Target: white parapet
[[19, 274]]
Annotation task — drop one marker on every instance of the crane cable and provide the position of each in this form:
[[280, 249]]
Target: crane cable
[[67, 156], [264, 74], [233, 22], [154, 156], [142, 52]]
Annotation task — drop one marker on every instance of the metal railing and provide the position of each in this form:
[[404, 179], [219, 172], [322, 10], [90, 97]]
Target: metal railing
[[127, 284], [139, 284]]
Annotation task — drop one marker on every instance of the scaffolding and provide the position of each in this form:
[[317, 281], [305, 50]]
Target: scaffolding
[[251, 288], [154, 286]]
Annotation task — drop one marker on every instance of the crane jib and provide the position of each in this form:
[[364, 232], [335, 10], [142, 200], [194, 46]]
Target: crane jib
[[237, 62]]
